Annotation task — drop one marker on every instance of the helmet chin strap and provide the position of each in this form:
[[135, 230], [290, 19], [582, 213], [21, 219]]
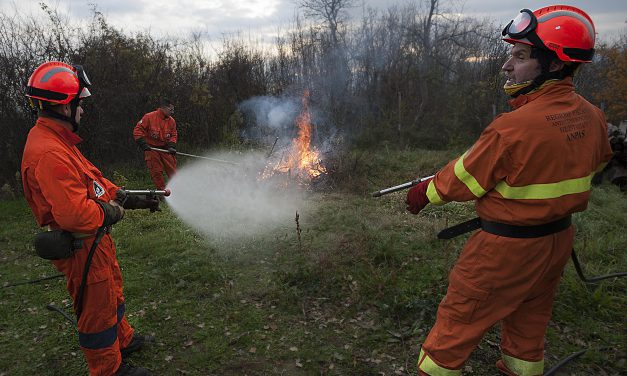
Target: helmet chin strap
[[525, 87], [73, 109], [530, 86]]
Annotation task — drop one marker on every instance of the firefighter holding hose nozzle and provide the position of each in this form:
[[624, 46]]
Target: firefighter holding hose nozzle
[[77, 204], [529, 170], [157, 129]]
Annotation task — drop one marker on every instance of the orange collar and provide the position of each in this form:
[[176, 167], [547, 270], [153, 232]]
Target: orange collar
[[58, 128], [560, 87]]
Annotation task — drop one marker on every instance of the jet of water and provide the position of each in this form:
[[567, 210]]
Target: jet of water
[[231, 201]]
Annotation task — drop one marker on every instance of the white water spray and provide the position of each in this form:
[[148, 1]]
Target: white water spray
[[230, 201]]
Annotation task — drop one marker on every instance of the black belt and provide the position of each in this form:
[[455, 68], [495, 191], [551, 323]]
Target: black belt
[[506, 230]]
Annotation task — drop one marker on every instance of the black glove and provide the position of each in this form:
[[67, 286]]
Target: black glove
[[142, 202], [112, 213], [121, 197], [141, 142], [172, 148]]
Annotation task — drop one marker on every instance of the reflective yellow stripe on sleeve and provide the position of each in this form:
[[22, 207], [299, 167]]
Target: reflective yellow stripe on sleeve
[[528, 192], [545, 191], [523, 367], [433, 195], [429, 366], [466, 178]]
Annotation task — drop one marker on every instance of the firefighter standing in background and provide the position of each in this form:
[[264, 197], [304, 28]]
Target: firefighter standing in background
[[158, 129], [66, 192], [528, 172]]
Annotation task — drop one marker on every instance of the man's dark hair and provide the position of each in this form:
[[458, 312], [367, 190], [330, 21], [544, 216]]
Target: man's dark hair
[[165, 102], [546, 57]]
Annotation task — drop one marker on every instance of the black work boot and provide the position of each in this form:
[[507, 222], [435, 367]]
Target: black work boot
[[128, 370], [136, 344]]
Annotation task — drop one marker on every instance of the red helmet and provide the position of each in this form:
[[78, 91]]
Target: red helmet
[[58, 83], [563, 29]]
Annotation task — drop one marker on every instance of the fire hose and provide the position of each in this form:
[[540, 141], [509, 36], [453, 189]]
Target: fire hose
[[474, 224], [194, 156], [35, 280], [99, 234]]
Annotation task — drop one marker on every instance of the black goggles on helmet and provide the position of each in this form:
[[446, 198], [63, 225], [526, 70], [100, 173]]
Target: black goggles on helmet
[[82, 76], [524, 23], [83, 82]]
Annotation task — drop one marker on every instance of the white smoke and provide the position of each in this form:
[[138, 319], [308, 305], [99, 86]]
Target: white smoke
[[273, 112], [230, 201], [268, 118]]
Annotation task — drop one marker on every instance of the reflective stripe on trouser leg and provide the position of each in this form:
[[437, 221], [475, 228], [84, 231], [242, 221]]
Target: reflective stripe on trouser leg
[[125, 332], [426, 364], [101, 349], [100, 340], [522, 367]]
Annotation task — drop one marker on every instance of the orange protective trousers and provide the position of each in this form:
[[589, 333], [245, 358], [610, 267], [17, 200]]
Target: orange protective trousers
[[158, 163], [102, 328], [499, 279]]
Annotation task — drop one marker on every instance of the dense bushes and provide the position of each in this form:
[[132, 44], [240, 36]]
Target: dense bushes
[[408, 76]]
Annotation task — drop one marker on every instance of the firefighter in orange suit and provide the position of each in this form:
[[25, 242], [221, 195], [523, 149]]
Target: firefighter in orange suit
[[528, 172], [157, 129], [66, 192]]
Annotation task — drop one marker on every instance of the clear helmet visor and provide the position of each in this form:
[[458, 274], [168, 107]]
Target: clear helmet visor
[[520, 23]]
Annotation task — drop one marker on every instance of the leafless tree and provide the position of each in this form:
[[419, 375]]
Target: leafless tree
[[331, 12]]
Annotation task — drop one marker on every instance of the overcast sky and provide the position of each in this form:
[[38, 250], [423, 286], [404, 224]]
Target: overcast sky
[[261, 20]]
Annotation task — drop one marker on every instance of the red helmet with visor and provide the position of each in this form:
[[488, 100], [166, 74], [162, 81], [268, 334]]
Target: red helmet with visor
[[563, 29], [58, 83]]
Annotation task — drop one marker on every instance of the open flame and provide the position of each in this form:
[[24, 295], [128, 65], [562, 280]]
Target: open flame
[[301, 161]]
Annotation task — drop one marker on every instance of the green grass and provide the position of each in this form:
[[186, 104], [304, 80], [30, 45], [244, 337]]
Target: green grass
[[355, 296]]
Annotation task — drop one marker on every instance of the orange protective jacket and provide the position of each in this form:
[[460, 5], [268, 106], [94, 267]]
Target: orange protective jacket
[[60, 184], [157, 129], [534, 166], [531, 166], [61, 187]]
